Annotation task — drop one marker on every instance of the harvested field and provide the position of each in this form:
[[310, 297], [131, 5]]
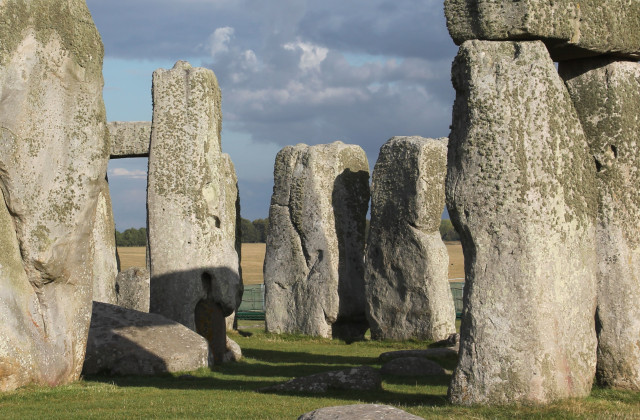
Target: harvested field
[[253, 258]]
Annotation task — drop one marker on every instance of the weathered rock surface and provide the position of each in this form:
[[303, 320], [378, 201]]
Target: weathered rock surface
[[127, 342], [192, 205], [54, 151], [436, 352], [314, 270], [570, 29], [360, 412], [132, 289], [129, 138], [362, 378], [103, 240], [233, 353], [406, 286], [521, 191], [606, 94], [411, 366]]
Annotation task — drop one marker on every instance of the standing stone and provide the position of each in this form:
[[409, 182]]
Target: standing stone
[[406, 277], [191, 202], [54, 150], [105, 264], [314, 270], [521, 192], [606, 94], [132, 289], [569, 28]]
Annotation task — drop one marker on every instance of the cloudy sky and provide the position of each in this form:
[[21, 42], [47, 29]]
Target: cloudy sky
[[291, 71]]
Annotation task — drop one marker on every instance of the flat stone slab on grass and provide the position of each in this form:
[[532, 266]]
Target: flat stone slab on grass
[[438, 352], [360, 412], [127, 342], [363, 378], [412, 366]]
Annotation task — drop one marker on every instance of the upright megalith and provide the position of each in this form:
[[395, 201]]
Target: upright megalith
[[521, 191], [54, 150], [569, 28], [314, 269], [191, 202], [103, 242], [606, 94], [406, 277]]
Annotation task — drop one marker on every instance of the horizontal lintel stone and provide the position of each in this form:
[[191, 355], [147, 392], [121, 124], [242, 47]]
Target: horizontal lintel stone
[[129, 138]]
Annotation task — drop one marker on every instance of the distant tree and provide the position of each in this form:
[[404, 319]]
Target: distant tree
[[447, 231], [262, 227], [249, 232], [132, 237]]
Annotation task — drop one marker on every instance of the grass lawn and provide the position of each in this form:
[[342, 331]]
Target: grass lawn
[[228, 391]]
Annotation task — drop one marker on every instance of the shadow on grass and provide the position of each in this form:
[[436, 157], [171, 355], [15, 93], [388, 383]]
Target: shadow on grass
[[278, 356]]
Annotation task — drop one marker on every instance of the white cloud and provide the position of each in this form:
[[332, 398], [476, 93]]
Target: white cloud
[[123, 172], [219, 40], [312, 55]]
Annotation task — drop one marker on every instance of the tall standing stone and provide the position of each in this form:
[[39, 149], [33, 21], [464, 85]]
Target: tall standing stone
[[569, 28], [191, 202], [606, 94], [314, 270], [406, 277], [103, 240], [54, 150], [521, 191]]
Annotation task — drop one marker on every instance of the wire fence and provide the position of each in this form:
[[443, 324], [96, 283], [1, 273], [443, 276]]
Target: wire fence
[[252, 306]]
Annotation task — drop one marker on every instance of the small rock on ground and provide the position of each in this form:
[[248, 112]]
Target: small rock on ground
[[360, 412], [412, 366], [363, 378]]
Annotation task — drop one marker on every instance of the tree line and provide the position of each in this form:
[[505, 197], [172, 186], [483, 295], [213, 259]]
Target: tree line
[[255, 232]]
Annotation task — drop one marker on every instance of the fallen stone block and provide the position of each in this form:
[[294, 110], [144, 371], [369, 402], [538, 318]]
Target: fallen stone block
[[363, 378], [128, 342], [360, 412], [412, 366]]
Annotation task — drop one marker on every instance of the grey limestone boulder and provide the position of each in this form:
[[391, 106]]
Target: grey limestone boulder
[[127, 342], [362, 378], [314, 269], [132, 289], [129, 138], [360, 412], [54, 150], [521, 191], [192, 205], [570, 29], [406, 286], [606, 94]]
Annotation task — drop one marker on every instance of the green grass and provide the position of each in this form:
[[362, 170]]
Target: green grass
[[228, 391]]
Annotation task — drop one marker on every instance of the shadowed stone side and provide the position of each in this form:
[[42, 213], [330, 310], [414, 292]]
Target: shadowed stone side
[[406, 277], [129, 138], [314, 270], [521, 191], [54, 151], [191, 201], [606, 95], [570, 29]]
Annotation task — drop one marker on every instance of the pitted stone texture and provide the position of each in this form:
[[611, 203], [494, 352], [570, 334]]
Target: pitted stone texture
[[54, 151], [314, 271], [127, 342], [362, 378], [411, 366], [360, 412], [192, 201], [132, 289], [129, 138], [406, 286], [606, 95], [105, 263], [521, 192], [570, 29]]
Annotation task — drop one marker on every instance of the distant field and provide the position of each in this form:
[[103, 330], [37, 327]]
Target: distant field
[[253, 258]]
